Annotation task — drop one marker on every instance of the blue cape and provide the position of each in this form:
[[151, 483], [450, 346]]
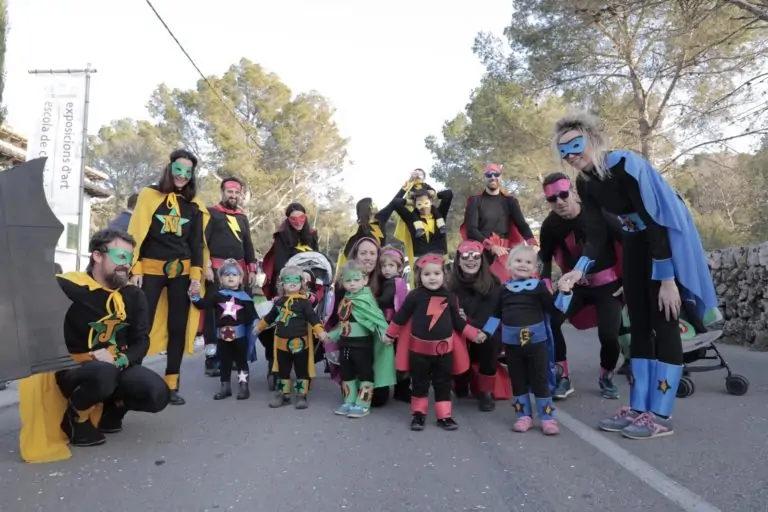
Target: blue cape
[[667, 209], [241, 295]]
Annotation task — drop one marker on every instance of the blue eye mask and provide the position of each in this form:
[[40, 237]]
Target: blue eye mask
[[574, 146]]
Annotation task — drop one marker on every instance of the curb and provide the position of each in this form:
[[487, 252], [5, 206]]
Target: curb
[[10, 397]]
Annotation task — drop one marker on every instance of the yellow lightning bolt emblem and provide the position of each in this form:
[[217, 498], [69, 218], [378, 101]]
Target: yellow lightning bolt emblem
[[234, 226], [376, 231]]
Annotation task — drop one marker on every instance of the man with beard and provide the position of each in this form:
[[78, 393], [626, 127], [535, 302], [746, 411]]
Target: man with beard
[[595, 300], [229, 236], [494, 219], [106, 330]]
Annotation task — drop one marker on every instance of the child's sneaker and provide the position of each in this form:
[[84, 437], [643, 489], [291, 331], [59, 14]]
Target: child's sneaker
[[447, 424], [358, 411], [549, 427], [523, 424], [342, 410], [607, 387], [418, 422], [301, 402], [279, 400]]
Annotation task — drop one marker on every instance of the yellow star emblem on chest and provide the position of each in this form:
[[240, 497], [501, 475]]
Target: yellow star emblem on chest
[[172, 222]]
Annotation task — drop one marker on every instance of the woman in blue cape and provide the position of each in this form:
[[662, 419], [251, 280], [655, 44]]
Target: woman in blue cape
[[663, 259]]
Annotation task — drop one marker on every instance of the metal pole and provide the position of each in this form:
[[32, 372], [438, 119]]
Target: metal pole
[[84, 149]]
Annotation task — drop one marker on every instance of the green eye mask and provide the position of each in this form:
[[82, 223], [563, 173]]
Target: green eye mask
[[291, 279], [352, 275], [120, 256], [180, 171]]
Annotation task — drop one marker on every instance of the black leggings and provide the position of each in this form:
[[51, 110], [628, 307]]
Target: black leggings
[[298, 361], [178, 314], [357, 361], [94, 382], [486, 354], [608, 321], [528, 366], [642, 297], [435, 369], [235, 351], [209, 327]]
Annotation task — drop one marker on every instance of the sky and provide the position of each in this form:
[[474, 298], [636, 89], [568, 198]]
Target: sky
[[395, 70]]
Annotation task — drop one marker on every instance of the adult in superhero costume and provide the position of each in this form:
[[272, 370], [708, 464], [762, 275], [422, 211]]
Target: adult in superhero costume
[[371, 223], [366, 252], [106, 330], [294, 236], [494, 219], [432, 240], [228, 235], [661, 249], [169, 260], [562, 236], [478, 292]]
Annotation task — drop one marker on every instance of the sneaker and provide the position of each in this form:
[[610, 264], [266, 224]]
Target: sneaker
[[549, 427], [648, 426], [301, 402], [112, 419], [523, 424], [607, 387], [342, 410], [418, 422], [358, 411], [279, 400], [563, 389], [619, 421], [448, 424]]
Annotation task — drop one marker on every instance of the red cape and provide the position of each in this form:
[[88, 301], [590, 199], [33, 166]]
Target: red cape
[[498, 267], [460, 354], [586, 318]]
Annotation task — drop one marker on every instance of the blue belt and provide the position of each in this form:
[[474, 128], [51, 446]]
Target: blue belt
[[231, 333], [631, 223], [512, 335]]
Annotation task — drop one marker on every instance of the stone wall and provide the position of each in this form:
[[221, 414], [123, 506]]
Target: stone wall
[[740, 275]]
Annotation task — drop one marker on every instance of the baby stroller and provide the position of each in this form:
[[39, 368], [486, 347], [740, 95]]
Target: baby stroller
[[699, 345], [319, 274]]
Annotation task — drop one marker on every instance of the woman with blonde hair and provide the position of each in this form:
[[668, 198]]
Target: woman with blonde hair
[[662, 251]]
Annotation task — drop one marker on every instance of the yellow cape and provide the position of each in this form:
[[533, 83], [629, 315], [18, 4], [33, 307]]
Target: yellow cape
[[404, 235], [42, 406], [146, 206], [354, 237]]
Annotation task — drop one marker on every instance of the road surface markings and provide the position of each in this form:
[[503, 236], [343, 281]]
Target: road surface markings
[[672, 490]]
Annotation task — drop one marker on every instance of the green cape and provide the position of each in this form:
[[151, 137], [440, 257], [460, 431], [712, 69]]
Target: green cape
[[368, 314]]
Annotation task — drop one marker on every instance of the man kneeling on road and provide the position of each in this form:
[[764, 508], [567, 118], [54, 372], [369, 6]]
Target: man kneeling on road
[[106, 329]]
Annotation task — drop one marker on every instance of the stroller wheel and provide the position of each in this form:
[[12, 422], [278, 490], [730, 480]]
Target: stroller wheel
[[736, 385], [686, 388], [271, 381]]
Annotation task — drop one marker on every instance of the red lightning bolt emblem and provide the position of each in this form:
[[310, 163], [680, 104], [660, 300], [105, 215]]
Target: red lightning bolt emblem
[[435, 309]]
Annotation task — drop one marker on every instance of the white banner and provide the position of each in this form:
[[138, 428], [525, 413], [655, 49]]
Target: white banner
[[58, 135]]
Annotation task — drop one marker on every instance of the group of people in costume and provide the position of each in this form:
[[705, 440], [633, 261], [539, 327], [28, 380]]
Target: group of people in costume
[[485, 320]]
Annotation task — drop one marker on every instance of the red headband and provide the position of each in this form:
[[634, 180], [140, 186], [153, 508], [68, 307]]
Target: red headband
[[470, 246], [560, 185], [492, 168], [429, 258], [232, 184]]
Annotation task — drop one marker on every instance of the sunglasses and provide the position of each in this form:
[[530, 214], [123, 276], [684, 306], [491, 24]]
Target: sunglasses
[[471, 255], [492, 174], [560, 195]]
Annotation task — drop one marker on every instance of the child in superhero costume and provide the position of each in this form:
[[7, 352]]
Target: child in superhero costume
[[366, 362], [234, 313], [392, 288], [296, 324], [427, 328], [523, 307]]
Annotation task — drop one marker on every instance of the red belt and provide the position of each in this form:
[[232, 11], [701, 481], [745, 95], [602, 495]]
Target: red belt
[[606, 276], [431, 348]]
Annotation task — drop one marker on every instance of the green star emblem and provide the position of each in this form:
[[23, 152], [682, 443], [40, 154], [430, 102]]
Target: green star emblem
[[172, 222], [106, 329]]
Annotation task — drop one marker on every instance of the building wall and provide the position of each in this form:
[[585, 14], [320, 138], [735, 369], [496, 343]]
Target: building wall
[[66, 249]]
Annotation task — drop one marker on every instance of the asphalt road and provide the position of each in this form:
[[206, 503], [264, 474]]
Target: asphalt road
[[230, 455]]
